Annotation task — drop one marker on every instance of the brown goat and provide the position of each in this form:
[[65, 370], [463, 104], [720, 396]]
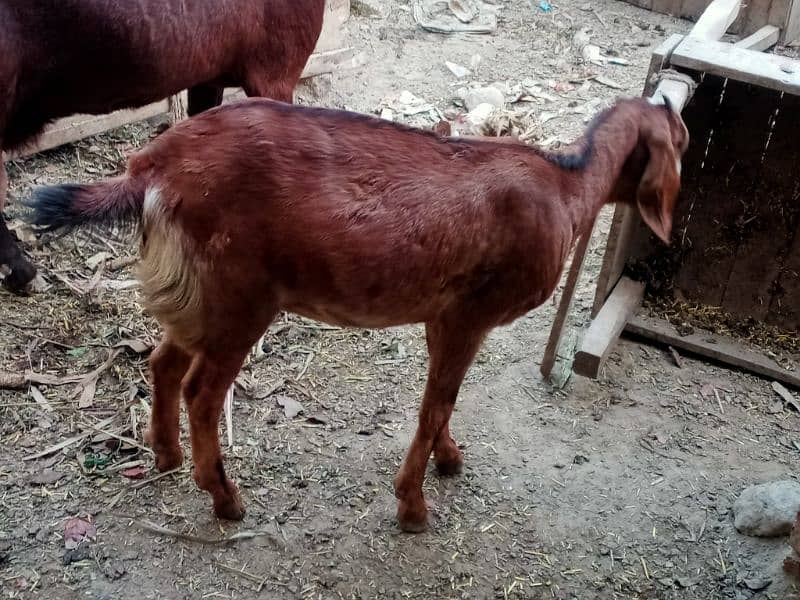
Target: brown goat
[[61, 57], [259, 206]]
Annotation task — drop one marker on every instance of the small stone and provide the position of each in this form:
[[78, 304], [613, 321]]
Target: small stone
[[757, 583], [767, 510], [76, 554]]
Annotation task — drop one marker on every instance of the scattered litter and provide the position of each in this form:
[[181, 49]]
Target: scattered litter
[[608, 82], [407, 104], [93, 261], [457, 69], [291, 407], [545, 6], [138, 346], [38, 396], [463, 10], [473, 98], [477, 117], [24, 232], [591, 54], [387, 114], [786, 395], [475, 61], [242, 535], [455, 16]]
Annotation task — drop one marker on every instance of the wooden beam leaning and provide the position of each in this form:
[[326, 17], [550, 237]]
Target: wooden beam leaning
[[607, 326], [716, 19], [565, 304]]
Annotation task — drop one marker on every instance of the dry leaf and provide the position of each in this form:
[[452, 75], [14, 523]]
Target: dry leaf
[[98, 258], [77, 530], [38, 396], [135, 472], [46, 477], [86, 398], [138, 346], [291, 407]]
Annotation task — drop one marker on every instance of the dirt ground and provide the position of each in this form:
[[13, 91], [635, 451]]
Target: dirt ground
[[615, 488]]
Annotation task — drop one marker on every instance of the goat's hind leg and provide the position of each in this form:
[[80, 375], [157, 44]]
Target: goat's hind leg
[[168, 365], [17, 270], [204, 388]]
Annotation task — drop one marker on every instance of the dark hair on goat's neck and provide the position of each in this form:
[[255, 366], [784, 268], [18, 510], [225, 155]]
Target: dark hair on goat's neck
[[575, 161]]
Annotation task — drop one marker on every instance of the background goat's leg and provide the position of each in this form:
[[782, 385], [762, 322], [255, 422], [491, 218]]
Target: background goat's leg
[[204, 387], [168, 365], [451, 351], [17, 270], [259, 83], [202, 97], [448, 458]]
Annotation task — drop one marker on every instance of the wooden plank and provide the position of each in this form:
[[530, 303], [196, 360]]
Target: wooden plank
[[761, 185], [780, 14], [791, 30], [713, 346], [780, 204], [692, 9], [331, 37], [565, 304], [76, 127], [726, 60], [784, 309], [596, 345], [756, 15], [700, 262], [667, 7], [761, 40], [333, 60], [716, 19]]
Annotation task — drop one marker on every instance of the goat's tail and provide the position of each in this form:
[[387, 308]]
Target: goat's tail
[[66, 207]]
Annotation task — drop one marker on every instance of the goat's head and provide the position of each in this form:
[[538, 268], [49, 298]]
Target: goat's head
[[654, 167]]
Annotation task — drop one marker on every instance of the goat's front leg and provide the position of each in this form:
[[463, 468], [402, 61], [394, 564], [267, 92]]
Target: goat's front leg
[[204, 388], [451, 351], [168, 365]]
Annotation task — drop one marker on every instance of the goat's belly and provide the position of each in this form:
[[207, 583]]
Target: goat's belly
[[365, 316]]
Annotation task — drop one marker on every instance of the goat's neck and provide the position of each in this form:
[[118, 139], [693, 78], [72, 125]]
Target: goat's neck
[[614, 141]]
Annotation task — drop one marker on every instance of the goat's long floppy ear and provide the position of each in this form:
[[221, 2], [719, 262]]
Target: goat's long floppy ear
[[658, 188]]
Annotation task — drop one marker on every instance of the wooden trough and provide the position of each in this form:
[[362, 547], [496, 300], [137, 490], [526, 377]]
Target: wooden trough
[[736, 237], [330, 54]]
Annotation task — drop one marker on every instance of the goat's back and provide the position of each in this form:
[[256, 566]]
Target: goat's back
[[362, 215]]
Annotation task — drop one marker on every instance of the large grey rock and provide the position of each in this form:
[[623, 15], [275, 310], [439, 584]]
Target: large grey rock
[[768, 509]]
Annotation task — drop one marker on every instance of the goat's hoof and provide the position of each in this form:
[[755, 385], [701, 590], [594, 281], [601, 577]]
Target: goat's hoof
[[231, 508], [450, 465], [169, 460], [412, 518], [20, 276]]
